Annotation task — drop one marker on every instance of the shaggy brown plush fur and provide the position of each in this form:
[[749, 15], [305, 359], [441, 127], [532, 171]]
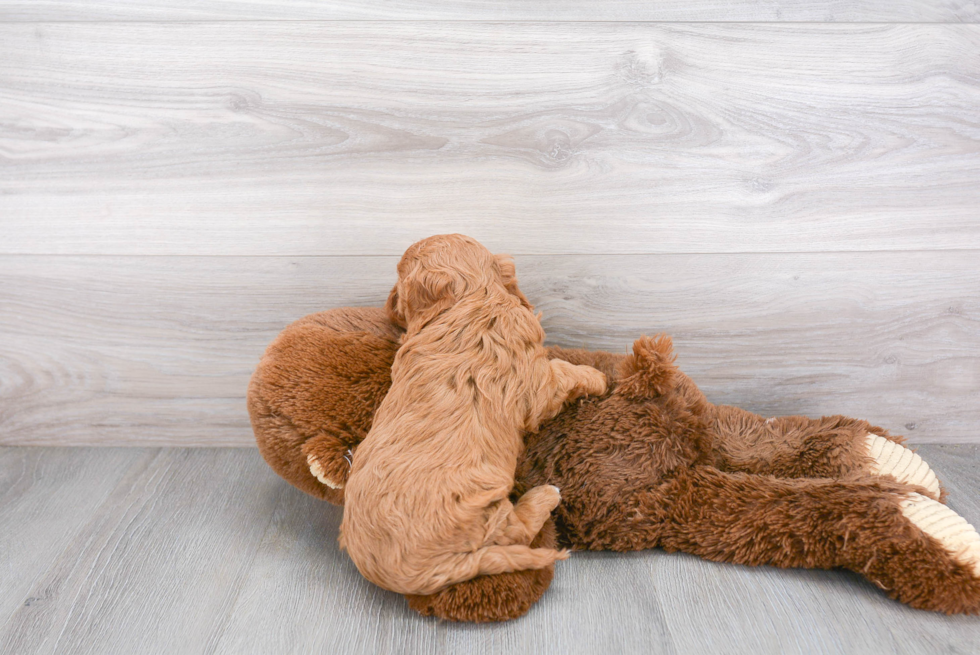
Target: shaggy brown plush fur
[[316, 389], [650, 464], [426, 501]]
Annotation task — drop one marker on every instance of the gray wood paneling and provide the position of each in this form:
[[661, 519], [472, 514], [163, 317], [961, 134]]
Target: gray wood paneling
[[356, 138], [206, 551], [131, 350], [879, 11]]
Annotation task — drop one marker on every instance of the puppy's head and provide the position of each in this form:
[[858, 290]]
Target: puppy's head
[[436, 272]]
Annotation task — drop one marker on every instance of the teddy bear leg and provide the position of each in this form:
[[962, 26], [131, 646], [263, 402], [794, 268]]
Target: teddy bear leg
[[831, 447], [891, 458], [931, 561], [329, 458], [916, 549]]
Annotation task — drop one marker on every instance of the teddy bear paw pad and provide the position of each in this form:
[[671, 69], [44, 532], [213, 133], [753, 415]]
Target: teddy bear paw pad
[[901, 463], [958, 537], [320, 474]]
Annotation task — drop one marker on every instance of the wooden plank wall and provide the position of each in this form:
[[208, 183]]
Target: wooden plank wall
[[790, 189]]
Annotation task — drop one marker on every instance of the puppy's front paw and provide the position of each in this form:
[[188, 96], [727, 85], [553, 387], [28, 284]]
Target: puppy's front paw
[[325, 477], [585, 381], [595, 381]]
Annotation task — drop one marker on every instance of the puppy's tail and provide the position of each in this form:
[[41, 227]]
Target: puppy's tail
[[489, 560]]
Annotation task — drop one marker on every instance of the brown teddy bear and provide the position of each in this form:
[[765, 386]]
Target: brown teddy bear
[[650, 464]]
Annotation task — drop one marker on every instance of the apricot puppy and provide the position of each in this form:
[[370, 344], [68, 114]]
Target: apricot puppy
[[426, 502]]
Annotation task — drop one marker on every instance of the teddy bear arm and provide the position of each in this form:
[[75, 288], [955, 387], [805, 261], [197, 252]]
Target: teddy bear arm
[[329, 458]]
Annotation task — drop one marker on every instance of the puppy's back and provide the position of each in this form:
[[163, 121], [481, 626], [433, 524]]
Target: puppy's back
[[443, 451]]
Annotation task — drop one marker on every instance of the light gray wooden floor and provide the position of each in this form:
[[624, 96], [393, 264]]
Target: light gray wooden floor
[[144, 550]]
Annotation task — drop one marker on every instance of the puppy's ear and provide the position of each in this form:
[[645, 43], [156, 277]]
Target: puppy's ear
[[394, 312], [423, 294], [509, 274], [427, 287]]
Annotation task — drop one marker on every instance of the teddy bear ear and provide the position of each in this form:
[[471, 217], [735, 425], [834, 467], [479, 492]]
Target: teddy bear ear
[[649, 371], [509, 274]]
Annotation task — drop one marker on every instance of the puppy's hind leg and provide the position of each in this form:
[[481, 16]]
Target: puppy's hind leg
[[489, 560], [535, 507], [526, 519]]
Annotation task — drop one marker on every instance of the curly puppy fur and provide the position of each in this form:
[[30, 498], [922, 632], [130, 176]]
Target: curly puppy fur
[[651, 464], [426, 501]]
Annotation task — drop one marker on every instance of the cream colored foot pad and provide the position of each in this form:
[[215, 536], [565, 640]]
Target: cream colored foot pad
[[901, 463], [318, 473], [950, 529]]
